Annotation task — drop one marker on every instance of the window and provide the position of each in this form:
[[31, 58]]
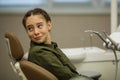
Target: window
[[58, 6], [107, 3], [20, 2], [71, 1]]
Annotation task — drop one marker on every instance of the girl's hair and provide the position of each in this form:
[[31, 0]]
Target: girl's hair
[[36, 11]]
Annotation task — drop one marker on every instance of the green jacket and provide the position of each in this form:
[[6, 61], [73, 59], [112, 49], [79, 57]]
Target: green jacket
[[53, 59]]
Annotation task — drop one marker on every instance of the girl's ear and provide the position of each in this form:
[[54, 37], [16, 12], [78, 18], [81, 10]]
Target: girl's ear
[[49, 25]]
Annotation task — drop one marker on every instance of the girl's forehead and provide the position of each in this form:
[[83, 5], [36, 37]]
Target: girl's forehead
[[35, 18], [39, 16]]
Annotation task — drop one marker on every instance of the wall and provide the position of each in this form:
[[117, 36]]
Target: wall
[[68, 31], [103, 63]]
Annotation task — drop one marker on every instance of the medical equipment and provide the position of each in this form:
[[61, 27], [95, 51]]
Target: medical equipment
[[109, 43]]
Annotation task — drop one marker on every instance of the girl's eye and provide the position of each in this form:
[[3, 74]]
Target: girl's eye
[[39, 26], [30, 28]]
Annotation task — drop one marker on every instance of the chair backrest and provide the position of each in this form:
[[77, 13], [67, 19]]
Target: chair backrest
[[30, 70], [15, 47]]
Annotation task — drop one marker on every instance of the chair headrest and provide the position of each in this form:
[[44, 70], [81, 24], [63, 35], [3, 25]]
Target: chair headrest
[[15, 46]]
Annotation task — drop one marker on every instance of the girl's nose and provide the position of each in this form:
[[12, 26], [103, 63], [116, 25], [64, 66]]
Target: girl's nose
[[36, 31]]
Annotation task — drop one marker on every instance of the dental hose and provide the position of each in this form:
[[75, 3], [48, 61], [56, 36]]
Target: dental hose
[[113, 48], [116, 63]]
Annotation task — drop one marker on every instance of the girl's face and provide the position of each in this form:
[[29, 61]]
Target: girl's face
[[38, 29]]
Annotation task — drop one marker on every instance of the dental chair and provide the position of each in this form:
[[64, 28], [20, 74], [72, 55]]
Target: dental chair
[[26, 70]]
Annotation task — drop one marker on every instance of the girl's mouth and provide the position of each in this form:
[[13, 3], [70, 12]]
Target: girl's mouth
[[38, 38]]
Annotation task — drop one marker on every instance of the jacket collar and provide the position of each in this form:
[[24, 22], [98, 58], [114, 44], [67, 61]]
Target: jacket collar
[[50, 47]]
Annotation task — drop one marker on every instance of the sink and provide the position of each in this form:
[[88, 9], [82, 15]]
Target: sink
[[80, 54], [75, 54]]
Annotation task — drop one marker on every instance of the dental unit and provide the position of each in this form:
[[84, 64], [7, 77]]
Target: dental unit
[[109, 43]]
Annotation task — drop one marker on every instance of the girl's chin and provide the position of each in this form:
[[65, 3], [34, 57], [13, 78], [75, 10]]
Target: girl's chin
[[36, 41]]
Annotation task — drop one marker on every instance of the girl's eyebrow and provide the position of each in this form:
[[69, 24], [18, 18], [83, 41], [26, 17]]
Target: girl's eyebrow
[[39, 23], [28, 25]]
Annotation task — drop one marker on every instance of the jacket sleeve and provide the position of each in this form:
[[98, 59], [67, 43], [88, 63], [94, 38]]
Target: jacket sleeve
[[49, 61]]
